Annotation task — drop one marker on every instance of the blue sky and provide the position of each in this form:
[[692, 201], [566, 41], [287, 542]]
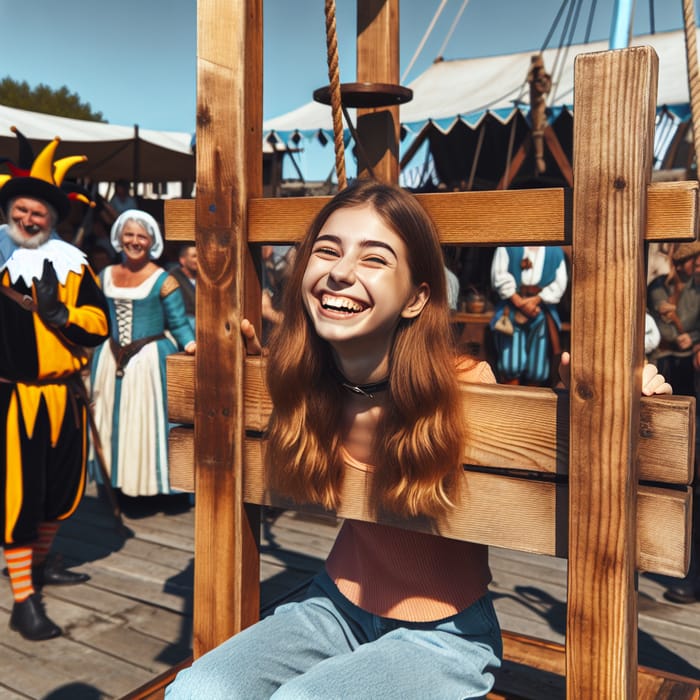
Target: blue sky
[[135, 60]]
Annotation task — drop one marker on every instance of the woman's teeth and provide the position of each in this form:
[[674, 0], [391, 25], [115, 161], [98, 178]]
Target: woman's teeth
[[340, 304]]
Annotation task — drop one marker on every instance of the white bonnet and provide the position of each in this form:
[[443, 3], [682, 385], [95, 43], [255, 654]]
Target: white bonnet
[[144, 219]]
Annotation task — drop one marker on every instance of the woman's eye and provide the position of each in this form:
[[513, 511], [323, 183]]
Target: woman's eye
[[375, 259], [322, 250]]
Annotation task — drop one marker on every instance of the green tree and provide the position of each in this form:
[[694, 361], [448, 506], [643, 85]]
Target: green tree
[[42, 98]]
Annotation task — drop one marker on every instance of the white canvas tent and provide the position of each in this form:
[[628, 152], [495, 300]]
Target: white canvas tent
[[113, 151], [467, 91], [467, 88]]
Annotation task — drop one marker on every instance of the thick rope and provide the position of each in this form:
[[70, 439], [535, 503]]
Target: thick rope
[[336, 99], [691, 54]]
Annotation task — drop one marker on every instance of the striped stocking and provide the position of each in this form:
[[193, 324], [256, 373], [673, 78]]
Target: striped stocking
[[47, 533], [19, 567]]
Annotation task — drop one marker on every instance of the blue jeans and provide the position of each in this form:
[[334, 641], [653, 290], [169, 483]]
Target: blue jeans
[[326, 648]]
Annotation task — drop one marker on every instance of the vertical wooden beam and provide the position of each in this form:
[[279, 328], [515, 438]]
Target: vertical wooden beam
[[378, 62], [229, 172], [615, 97]]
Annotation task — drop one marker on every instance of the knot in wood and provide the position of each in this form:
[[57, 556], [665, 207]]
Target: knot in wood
[[619, 183], [645, 429], [584, 391], [204, 116]]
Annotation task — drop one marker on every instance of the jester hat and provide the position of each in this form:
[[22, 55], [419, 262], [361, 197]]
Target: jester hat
[[40, 177]]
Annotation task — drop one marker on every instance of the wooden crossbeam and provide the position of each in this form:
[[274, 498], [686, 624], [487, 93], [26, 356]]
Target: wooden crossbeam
[[498, 436], [466, 218], [525, 514], [534, 668], [497, 508]]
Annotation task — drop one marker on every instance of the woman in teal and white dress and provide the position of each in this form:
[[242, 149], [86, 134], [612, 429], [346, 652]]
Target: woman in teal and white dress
[[128, 385]]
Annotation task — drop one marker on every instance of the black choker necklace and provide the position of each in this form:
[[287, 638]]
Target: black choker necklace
[[368, 390]]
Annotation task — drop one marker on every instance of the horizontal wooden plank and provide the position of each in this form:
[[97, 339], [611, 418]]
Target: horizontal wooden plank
[[672, 211], [502, 511], [181, 381], [524, 656], [498, 434], [461, 217], [178, 217], [494, 217]]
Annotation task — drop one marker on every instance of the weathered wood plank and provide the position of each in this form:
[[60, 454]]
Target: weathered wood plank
[[464, 218], [613, 138], [672, 210], [229, 173], [524, 514], [498, 435], [66, 658]]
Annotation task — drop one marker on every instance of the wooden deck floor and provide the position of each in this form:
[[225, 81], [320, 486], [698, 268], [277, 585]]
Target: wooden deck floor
[[133, 619]]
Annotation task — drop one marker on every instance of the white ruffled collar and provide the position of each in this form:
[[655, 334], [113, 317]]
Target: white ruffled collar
[[27, 263]]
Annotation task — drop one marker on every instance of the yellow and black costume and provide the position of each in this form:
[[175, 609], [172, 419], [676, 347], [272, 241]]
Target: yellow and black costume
[[51, 308], [43, 439]]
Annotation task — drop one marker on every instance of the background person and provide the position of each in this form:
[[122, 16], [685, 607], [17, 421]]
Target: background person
[[529, 281], [186, 275], [122, 200], [128, 372], [42, 398]]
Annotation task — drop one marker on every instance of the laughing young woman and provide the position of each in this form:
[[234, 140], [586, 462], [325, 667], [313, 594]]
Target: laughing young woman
[[363, 376]]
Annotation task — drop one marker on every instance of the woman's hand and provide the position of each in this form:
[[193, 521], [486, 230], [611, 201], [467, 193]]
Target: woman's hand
[[250, 337], [191, 347], [652, 381]]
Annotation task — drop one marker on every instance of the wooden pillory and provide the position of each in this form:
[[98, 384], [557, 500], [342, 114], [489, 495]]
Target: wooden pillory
[[598, 475]]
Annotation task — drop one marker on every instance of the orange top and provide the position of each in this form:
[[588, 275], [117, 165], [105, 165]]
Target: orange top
[[407, 575]]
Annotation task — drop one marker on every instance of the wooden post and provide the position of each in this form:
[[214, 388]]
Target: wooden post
[[229, 172], [615, 98], [378, 62]]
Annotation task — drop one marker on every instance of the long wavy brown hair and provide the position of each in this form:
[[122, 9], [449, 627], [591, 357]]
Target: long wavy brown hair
[[418, 440]]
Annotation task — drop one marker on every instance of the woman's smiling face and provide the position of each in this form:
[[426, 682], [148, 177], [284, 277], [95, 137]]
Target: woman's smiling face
[[136, 243], [357, 284]]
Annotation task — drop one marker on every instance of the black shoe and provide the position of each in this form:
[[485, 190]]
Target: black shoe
[[683, 592], [29, 619], [53, 573]]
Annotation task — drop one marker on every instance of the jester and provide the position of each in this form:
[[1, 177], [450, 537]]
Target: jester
[[51, 311]]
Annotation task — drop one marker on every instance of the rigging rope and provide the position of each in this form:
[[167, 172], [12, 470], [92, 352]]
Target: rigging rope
[[589, 26], [428, 31], [562, 41], [548, 38], [691, 54], [453, 26], [564, 51], [336, 98]]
